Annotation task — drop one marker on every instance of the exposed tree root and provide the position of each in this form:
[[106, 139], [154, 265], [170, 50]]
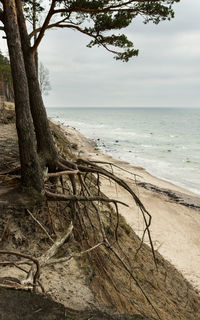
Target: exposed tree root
[[35, 261], [80, 182], [146, 215], [62, 173], [60, 197], [85, 166], [82, 193], [42, 260], [11, 170], [116, 166]]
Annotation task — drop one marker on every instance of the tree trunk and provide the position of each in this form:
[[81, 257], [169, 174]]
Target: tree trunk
[[35, 35], [45, 144], [31, 173]]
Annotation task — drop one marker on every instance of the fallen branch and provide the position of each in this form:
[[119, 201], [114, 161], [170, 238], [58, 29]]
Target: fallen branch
[[11, 284], [15, 262]]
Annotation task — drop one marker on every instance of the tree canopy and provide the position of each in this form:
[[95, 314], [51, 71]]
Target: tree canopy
[[97, 19], [31, 8]]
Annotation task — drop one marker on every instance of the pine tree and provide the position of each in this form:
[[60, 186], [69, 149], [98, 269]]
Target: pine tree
[[96, 19]]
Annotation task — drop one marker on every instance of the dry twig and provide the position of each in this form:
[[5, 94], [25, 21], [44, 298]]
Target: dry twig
[[41, 226], [74, 255]]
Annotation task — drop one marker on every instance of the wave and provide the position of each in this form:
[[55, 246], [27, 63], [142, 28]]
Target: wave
[[168, 149]]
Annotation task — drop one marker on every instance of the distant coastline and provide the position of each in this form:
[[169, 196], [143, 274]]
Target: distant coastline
[[168, 151]]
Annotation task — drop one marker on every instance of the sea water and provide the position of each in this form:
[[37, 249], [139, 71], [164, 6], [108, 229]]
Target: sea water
[[165, 141]]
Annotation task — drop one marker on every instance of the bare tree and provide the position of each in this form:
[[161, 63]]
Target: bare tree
[[44, 81]]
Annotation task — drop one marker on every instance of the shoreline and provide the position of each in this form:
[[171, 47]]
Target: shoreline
[[91, 149], [164, 149], [175, 211], [177, 184]]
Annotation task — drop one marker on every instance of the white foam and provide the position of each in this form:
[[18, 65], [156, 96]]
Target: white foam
[[164, 150]]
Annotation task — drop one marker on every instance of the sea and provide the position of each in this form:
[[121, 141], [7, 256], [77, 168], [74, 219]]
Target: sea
[[164, 141]]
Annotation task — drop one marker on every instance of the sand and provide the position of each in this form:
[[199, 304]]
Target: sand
[[175, 212]]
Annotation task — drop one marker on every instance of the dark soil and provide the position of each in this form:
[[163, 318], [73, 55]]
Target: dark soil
[[25, 305]]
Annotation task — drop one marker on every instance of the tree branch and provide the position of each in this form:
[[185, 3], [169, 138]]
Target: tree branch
[[120, 6], [72, 26], [44, 27], [53, 25]]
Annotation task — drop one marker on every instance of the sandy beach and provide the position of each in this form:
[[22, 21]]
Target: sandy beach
[[175, 211]]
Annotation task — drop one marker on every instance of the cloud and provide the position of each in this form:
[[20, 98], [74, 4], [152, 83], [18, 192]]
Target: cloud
[[166, 73]]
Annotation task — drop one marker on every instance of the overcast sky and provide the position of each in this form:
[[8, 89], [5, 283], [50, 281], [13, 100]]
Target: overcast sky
[[165, 74]]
